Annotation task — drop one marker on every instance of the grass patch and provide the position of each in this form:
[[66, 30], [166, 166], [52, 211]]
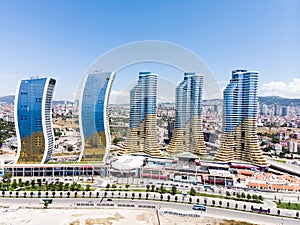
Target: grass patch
[[288, 205]]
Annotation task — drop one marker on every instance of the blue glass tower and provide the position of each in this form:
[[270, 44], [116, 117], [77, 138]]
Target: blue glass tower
[[239, 119], [142, 137], [188, 134], [93, 117], [33, 120]]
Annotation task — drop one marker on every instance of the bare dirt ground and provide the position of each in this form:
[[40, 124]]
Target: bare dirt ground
[[102, 217]]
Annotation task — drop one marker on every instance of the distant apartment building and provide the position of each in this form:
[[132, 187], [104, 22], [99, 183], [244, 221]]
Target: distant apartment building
[[33, 120], [239, 139], [93, 116], [142, 137], [285, 110], [292, 146], [188, 133]]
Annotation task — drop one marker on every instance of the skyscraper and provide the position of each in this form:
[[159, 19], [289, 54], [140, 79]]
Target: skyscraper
[[93, 117], [188, 134], [239, 139], [33, 120], [142, 137]]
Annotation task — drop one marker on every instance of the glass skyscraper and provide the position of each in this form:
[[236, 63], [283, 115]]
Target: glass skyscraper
[[33, 120], [188, 134], [93, 117], [142, 137], [239, 140]]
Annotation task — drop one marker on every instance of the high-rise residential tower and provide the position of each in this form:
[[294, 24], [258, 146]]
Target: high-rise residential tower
[[188, 134], [239, 139], [93, 116], [33, 120], [142, 137]]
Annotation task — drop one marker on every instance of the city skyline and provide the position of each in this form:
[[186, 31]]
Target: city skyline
[[61, 40]]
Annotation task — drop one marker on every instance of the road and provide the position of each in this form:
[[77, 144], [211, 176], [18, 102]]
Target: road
[[161, 206]]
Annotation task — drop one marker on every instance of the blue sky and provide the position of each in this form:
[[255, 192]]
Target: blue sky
[[62, 38]]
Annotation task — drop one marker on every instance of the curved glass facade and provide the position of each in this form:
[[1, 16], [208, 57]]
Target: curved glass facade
[[142, 137], [188, 134], [239, 141], [33, 120], [92, 116]]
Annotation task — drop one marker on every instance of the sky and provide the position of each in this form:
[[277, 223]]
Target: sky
[[62, 39]]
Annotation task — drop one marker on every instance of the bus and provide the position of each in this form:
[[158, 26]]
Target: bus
[[199, 207]]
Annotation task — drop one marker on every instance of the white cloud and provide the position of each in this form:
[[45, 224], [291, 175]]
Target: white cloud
[[289, 89]]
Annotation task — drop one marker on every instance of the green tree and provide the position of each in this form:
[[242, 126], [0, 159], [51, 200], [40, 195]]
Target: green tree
[[88, 187], [192, 191], [248, 196], [174, 190], [227, 193]]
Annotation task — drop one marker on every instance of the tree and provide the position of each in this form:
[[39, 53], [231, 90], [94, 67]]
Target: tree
[[192, 191], [227, 193], [90, 194], [161, 197], [97, 194], [248, 196], [190, 200], [228, 205], [198, 200], [46, 203], [140, 195], [17, 194], [220, 203], [3, 193], [176, 198], [132, 195], [108, 186], [47, 194], [127, 186], [69, 148], [243, 195], [61, 194], [126, 194], [260, 197], [245, 206], [31, 194], [39, 194], [278, 212], [148, 187], [236, 206], [83, 194], [238, 195], [53, 194], [88, 187], [174, 190], [147, 196], [213, 202], [297, 214], [205, 201], [68, 194], [24, 194]]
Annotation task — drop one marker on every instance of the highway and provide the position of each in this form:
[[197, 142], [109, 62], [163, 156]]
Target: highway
[[70, 203]]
